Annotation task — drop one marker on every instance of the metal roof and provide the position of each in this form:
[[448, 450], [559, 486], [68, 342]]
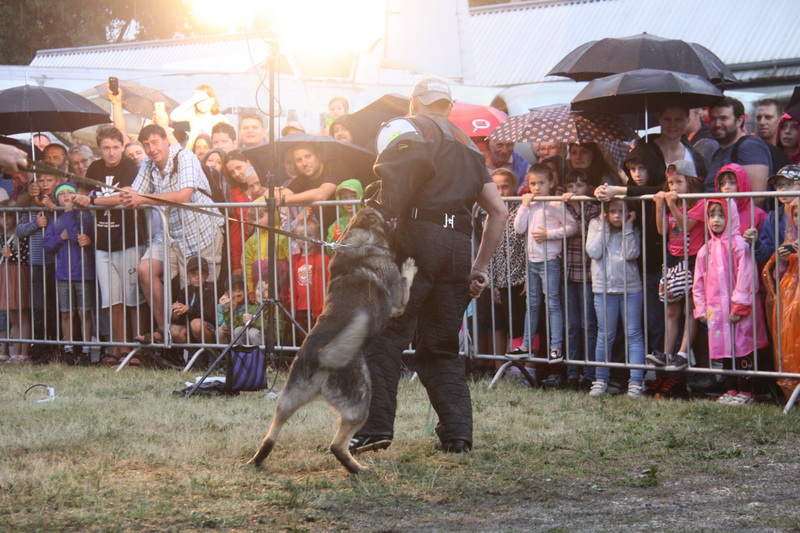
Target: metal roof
[[520, 42], [211, 54]]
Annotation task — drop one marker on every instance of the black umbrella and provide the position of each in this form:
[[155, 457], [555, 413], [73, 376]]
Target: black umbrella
[[31, 108], [640, 91], [138, 99], [367, 121], [615, 55], [793, 107], [349, 160]]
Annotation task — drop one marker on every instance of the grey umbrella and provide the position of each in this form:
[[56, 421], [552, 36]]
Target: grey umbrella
[[615, 55], [31, 108], [138, 99]]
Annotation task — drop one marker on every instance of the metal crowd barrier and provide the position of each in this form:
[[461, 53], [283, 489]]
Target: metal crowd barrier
[[480, 321]]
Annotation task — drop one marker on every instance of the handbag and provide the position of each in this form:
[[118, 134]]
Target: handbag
[[678, 283], [247, 369]]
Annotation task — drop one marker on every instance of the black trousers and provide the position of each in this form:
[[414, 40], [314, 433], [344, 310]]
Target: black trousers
[[43, 295], [439, 297]]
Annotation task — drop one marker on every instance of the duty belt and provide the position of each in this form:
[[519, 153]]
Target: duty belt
[[459, 222]]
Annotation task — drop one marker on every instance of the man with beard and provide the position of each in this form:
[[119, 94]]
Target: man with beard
[[727, 117], [316, 181]]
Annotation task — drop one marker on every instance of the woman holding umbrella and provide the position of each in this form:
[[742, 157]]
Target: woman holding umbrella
[[671, 145]]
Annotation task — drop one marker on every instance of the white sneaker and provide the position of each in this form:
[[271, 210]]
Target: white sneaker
[[726, 398], [599, 388], [743, 398], [634, 389]]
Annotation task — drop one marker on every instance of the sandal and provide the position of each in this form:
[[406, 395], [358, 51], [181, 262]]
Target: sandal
[[109, 360], [157, 336]]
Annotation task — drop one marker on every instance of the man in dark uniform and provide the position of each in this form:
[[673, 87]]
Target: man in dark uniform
[[432, 175]]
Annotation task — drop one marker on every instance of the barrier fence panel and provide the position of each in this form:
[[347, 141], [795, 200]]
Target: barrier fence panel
[[58, 290]]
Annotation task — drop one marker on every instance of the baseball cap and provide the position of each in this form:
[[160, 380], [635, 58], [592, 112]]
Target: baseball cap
[[194, 261], [682, 167], [429, 90], [790, 172], [292, 127]]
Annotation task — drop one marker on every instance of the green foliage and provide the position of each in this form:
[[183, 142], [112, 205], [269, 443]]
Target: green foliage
[[31, 25]]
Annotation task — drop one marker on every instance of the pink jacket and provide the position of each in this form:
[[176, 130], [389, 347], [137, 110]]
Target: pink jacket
[[724, 280], [742, 204]]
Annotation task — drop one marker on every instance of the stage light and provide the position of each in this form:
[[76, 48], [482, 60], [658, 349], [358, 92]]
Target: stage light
[[352, 25]]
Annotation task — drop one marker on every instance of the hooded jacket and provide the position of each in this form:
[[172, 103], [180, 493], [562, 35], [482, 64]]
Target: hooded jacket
[[336, 229], [614, 254], [743, 205], [723, 284], [73, 262], [767, 242], [794, 158]]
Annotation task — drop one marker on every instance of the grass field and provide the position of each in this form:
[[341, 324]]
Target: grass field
[[117, 452]]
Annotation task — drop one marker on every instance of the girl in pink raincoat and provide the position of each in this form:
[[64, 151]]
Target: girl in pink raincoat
[[724, 294]]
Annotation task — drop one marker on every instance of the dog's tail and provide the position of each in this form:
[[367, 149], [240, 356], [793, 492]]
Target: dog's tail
[[345, 346]]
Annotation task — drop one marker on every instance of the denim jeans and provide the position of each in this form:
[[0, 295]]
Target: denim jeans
[[609, 308], [581, 328], [540, 276]]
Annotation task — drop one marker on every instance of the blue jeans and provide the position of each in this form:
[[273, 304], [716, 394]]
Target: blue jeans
[[540, 275], [609, 308], [581, 327]]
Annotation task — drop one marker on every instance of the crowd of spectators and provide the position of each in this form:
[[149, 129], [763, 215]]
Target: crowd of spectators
[[213, 258]]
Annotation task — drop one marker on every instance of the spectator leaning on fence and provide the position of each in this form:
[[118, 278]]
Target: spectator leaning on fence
[[120, 239], [174, 175]]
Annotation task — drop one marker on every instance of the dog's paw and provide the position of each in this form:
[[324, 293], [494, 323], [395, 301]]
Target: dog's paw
[[409, 269]]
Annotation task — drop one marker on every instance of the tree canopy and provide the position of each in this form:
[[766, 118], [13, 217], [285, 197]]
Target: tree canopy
[[31, 25]]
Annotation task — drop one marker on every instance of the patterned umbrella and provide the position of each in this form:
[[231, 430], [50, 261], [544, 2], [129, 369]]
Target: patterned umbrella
[[560, 124]]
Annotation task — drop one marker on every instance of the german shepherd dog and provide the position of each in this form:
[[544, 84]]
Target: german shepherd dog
[[366, 288]]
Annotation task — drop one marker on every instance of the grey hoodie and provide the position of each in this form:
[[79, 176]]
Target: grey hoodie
[[613, 253]]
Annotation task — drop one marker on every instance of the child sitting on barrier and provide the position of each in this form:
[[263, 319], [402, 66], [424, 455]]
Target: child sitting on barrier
[[546, 225], [724, 296], [68, 238], [194, 312], [613, 244]]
